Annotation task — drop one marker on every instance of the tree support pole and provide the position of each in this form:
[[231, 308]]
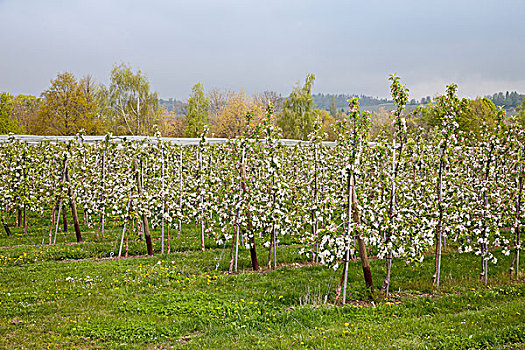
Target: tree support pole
[[365, 263], [145, 224], [125, 222], [514, 266], [7, 230], [73, 206], [251, 236], [25, 220], [439, 229]]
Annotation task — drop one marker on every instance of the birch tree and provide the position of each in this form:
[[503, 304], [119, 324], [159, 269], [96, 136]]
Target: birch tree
[[131, 107]]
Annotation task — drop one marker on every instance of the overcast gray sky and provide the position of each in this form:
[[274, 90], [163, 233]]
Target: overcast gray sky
[[351, 46]]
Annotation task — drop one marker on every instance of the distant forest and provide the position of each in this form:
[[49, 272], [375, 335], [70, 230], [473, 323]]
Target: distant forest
[[324, 101], [173, 105], [508, 100]]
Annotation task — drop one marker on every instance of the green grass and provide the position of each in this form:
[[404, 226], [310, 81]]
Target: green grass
[[180, 300]]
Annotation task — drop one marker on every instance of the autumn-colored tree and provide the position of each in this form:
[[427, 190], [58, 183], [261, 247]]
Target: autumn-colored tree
[[271, 97], [196, 111], [25, 110], [328, 124], [94, 93], [128, 102], [230, 121], [218, 99], [172, 125], [66, 109], [175, 127]]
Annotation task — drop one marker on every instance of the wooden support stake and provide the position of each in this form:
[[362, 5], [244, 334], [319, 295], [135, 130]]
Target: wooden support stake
[[145, 224], [7, 230], [73, 207]]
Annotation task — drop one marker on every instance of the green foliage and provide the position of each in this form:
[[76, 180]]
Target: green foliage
[[7, 122], [333, 108], [297, 117], [103, 304], [328, 124], [445, 108], [353, 130], [520, 117], [480, 111], [399, 94], [187, 298], [130, 105], [25, 110], [196, 111], [470, 115]]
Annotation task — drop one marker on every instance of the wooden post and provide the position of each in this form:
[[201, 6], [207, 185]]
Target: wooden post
[[253, 251], [64, 219], [365, 264], [19, 217], [7, 230], [25, 219], [145, 224], [73, 207]]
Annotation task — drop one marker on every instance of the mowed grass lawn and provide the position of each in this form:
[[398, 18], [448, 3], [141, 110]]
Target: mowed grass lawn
[[76, 297]]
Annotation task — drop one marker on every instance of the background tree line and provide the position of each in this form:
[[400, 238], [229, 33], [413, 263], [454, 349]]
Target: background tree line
[[128, 106], [125, 107]]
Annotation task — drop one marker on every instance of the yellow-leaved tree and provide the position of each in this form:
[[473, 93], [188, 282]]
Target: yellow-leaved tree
[[66, 108], [229, 121]]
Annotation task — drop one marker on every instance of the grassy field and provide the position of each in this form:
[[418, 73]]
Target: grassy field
[[74, 296]]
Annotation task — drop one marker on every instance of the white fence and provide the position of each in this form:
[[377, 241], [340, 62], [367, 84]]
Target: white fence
[[33, 139]]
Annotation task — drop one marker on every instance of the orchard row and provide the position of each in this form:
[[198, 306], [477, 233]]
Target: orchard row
[[398, 197]]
